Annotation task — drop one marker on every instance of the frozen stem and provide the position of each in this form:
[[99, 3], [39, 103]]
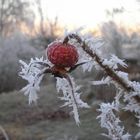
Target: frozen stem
[[110, 72], [111, 122], [71, 95]]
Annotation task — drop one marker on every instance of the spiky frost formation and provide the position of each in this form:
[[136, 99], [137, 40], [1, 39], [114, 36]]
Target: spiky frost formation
[[90, 49], [111, 122], [71, 96], [33, 74]]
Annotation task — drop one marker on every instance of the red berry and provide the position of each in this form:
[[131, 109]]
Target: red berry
[[62, 55]]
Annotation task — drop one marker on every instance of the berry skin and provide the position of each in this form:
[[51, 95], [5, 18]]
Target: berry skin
[[62, 55]]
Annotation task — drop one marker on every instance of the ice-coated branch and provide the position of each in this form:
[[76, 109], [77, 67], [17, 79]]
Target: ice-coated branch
[[130, 90], [102, 62], [99, 60], [111, 122], [89, 55], [33, 74], [71, 95], [118, 78]]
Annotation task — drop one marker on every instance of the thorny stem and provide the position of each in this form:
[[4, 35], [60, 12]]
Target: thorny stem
[[106, 68]]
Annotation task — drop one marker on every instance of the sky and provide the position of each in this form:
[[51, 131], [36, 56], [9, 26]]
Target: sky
[[90, 13]]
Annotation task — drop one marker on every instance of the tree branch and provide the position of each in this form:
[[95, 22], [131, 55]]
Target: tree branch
[[110, 72]]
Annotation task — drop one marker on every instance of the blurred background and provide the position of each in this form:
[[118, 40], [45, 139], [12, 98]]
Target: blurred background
[[26, 28]]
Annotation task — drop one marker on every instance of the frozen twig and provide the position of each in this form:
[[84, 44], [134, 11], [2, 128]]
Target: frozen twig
[[71, 95], [113, 74], [4, 133], [111, 122], [130, 90]]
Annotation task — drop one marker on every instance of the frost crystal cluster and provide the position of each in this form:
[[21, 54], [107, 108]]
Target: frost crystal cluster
[[109, 121], [71, 96], [33, 73]]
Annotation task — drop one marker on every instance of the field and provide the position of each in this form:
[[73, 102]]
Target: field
[[47, 121]]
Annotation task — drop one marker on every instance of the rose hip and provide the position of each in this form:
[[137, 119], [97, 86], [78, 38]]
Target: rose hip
[[62, 55]]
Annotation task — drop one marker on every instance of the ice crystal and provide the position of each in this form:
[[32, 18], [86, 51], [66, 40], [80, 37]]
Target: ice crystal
[[71, 96], [33, 74], [103, 81], [113, 62], [132, 104], [117, 60], [111, 122]]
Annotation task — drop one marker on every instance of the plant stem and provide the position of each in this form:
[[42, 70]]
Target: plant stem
[[110, 72]]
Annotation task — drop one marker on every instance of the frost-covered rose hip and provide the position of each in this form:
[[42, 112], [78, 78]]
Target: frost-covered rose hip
[[62, 55]]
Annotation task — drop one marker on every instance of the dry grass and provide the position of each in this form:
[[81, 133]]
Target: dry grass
[[46, 120]]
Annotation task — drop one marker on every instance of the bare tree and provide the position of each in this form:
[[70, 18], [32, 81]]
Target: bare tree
[[48, 29], [114, 11], [12, 14], [46, 25], [39, 7], [113, 36]]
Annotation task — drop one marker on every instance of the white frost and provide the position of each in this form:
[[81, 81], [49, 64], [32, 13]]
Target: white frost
[[103, 81], [71, 96], [111, 122], [33, 73]]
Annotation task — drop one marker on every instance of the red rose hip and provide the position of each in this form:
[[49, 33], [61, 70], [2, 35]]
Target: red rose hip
[[62, 55]]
